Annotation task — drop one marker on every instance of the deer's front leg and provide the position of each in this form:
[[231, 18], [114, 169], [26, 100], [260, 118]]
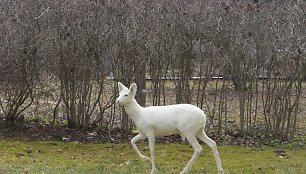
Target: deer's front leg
[[152, 150], [136, 139]]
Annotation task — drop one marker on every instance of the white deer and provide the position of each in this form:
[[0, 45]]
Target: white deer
[[184, 119]]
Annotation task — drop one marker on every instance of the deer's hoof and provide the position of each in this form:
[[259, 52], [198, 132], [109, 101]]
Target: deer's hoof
[[153, 172], [145, 158], [220, 172]]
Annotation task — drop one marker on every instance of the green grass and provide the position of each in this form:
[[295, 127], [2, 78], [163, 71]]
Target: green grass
[[59, 157]]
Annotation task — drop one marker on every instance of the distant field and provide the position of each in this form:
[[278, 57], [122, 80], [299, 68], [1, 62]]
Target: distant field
[[59, 157]]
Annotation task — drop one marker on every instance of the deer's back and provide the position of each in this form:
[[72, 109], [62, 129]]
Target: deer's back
[[171, 119]]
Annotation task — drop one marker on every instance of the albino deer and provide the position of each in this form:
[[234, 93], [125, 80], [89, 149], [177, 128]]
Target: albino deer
[[184, 119]]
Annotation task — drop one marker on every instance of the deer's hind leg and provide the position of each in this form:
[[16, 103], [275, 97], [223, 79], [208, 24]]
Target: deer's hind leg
[[213, 145], [197, 151]]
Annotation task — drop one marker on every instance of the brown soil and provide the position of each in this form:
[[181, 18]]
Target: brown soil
[[35, 131]]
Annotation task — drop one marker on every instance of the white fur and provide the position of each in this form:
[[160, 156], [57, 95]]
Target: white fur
[[184, 119]]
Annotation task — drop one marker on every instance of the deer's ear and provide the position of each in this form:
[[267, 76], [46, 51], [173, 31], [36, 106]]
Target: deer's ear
[[121, 86], [133, 89]]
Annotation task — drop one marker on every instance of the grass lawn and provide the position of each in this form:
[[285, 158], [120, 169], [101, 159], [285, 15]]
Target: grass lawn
[[59, 157]]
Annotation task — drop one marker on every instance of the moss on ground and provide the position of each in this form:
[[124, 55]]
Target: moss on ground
[[59, 157]]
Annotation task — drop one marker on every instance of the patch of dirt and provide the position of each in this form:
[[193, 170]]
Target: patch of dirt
[[35, 131], [38, 131]]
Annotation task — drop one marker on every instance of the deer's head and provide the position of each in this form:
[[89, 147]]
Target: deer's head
[[126, 95]]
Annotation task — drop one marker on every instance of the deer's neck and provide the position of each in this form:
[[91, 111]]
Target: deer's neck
[[134, 110]]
